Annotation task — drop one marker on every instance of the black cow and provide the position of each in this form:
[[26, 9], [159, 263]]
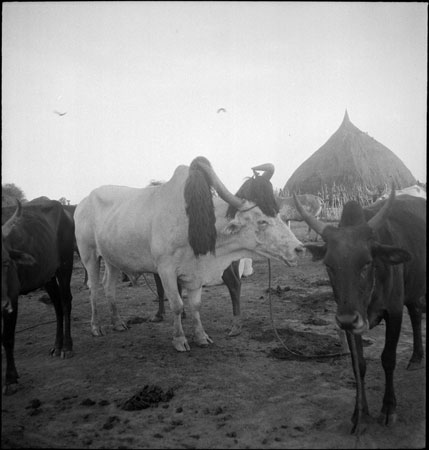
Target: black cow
[[376, 262], [37, 252]]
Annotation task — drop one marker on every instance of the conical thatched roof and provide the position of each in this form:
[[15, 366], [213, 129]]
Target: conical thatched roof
[[350, 158]]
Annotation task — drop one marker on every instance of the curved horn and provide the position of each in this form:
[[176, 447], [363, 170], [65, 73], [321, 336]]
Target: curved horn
[[268, 169], [10, 223], [368, 191], [220, 187], [317, 225], [376, 221]]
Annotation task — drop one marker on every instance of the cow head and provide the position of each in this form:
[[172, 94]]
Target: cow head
[[354, 260], [253, 214], [266, 235], [259, 222], [11, 258]]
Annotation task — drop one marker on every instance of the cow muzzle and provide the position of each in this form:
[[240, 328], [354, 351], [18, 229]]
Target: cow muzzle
[[292, 260], [352, 322]]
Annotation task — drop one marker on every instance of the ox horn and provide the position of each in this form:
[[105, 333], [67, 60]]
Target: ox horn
[[9, 224], [317, 225], [268, 170], [219, 187], [376, 221], [370, 192]]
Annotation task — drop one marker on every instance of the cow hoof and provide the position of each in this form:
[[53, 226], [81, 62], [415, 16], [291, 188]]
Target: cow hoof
[[66, 354], [415, 365], [120, 327], [360, 426], [387, 419], [203, 341], [181, 344], [235, 330], [96, 331], [55, 352], [156, 318], [10, 389]]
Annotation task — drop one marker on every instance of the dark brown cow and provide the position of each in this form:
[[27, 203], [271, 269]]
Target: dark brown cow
[[376, 262], [37, 252]]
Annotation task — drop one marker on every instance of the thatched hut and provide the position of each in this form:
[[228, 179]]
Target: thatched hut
[[348, 165]]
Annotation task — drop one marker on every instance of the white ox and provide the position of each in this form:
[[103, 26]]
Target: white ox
[[311, 203], [415, 191], [149, 229]]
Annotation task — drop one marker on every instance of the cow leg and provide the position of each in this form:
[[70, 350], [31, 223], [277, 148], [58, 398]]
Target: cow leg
[[85, 279], [8, 341], [159, 316], [388, 359], [92, 264], [54, 293], [109, 281], [343, 341], [64, 279], [201, 337], [169, 282], [416, 361], [180, 289], [362, 370], [231, 278]]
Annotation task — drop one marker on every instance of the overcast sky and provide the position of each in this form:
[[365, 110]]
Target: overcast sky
[[141, 84]]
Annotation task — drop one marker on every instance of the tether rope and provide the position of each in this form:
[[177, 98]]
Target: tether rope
[[299, 354], [359, 391]]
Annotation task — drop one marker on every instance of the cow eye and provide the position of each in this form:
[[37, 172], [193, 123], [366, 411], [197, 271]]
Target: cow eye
[[365, 269], [262, 223]]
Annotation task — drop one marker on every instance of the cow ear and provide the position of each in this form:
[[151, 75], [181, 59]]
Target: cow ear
[[318, 251], [390, 255], [22, 258], [233, 227]]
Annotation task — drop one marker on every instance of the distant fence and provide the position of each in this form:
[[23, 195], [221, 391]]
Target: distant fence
[[331, 214]]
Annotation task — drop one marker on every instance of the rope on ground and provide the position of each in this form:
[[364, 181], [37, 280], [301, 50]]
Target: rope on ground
[[49, 321], [298, 353], [35, 326]]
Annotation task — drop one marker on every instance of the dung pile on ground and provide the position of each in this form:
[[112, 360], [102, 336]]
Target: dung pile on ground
[[302, 345], [278, 290], [149, 396]]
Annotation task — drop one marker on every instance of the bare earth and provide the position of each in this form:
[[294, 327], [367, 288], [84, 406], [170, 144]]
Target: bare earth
[[241, 392]]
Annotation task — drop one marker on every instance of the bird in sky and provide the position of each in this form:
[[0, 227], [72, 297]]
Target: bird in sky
[[221, 110], [60, 114]]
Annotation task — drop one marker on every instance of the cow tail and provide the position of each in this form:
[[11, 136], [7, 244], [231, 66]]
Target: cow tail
[[200, 209]]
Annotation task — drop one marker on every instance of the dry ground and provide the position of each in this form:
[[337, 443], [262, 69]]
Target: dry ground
[[236, 393]]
